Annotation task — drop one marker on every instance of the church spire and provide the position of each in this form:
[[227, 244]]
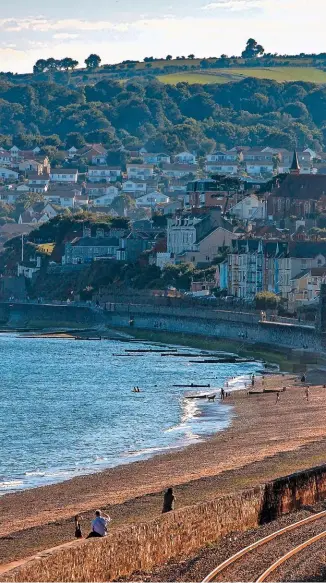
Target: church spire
[[295, 167]]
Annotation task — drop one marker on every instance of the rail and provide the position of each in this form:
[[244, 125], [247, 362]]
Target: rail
[[290, 554], [243, 552]]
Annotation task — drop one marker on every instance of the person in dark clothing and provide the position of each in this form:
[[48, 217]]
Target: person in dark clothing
[[168, 502], [78, 531]]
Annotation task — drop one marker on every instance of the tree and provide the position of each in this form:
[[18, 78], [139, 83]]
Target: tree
[[40, 66], [52, 64], [191, 56], [266, 300], [253, 49], [68, 63], [168, 58], [93, 61], [120, 223], [75, 139]]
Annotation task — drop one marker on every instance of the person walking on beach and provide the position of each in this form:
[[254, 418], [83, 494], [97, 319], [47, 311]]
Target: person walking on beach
[[253, 380], [277, 397], [100, 525], [168, 501], [307, 393]]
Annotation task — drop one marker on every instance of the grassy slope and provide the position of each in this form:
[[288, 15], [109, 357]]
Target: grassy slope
[[280, 74]]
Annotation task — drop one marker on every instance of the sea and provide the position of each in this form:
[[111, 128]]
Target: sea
[[67, 406]]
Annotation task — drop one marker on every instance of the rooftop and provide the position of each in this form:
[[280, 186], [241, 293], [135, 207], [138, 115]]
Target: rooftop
[[301, 187]]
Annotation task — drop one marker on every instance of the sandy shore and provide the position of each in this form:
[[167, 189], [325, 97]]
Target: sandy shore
[[265, 440]]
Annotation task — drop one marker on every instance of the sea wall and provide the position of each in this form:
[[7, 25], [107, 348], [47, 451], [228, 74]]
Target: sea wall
[[179, 533], [38, 316], [228, 325], [201, 321]]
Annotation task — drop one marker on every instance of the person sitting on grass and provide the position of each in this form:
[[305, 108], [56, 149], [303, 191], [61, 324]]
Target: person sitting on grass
[[99, 525]]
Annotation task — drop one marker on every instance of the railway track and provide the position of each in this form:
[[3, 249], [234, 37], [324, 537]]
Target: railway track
[[258, 561]]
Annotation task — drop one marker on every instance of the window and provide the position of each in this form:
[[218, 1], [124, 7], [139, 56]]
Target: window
[[207, 258]]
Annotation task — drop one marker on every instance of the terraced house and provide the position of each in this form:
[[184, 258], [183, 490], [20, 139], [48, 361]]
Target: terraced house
[[255, 265]]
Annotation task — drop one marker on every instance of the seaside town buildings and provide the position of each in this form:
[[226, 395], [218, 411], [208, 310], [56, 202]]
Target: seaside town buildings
[[256, 213]]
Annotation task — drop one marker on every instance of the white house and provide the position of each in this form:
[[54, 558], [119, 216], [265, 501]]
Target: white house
[[229, 156], [222, 168], [68, 200], [33, 165], [95, 189], [14, 151], [258, 168], [156, 158], [249, 208], [152, 199], [64, 198], [72, 152], [9, 195], [27, 271], [142, 171], [6, 159], [105, 199], [106, 173], [38, 182], [64, 175], [185, 158], [135, 188], [178, 170], [8, 174]]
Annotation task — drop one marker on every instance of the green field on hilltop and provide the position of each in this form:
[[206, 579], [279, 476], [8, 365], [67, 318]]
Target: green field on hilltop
[[196, 77], [281, 74]]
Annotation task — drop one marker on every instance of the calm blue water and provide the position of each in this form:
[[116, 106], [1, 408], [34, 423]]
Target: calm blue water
[[66, 407]]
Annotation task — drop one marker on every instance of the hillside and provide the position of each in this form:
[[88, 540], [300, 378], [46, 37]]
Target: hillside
[[161, 117]]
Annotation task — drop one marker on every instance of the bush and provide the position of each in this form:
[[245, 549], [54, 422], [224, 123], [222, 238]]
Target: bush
[[266, 301]]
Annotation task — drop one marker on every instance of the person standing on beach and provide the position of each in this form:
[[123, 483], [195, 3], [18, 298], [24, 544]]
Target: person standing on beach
[[222, 394], [100, 524], [168, 501], [277, 397], [78, 531], [253, 380], [307, 393]]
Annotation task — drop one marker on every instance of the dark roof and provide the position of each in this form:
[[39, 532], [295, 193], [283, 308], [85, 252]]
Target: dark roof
[[301, 274], [308, 249], [301, 187], [64, 171], [96, 242], [190, 167]]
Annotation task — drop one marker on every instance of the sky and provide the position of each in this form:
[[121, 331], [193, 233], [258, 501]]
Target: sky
[[129, 29]]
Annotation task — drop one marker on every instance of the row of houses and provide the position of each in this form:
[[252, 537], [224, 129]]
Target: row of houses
[[282, 267], [259, 161]]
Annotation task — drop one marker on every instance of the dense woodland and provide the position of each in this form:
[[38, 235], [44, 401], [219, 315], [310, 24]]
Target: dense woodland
[[162, 117]]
